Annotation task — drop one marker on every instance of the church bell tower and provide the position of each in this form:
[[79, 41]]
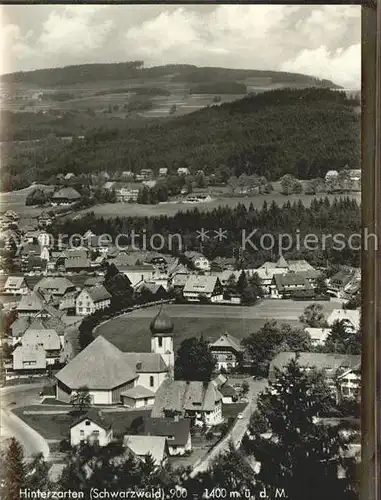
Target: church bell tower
[[162, 338]]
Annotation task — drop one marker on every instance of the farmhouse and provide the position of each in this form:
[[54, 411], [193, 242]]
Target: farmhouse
[[290, 285], [200, 402], [198, 288], [92, 427], [337, 284], [55, 287], [227, 350], [92, 299], [44, 220], [177, 433], [65, 196]]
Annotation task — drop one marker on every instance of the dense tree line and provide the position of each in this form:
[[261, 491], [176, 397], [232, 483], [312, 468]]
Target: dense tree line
[[323, 219], [301, 132]]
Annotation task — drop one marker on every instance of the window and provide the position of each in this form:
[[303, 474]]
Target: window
[[145, 401], [81, 432], [160, 342], [87, 422], [151, 381], [96, 433]]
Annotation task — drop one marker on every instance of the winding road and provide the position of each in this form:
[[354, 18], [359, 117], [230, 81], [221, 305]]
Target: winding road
[[237, 433], [11, 425]]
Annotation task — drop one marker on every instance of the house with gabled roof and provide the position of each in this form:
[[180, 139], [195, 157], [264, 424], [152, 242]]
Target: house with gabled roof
[[29, 359], [31, 304], [46, 338], [65, 196], [56, 286], [177, 433], [92, 299], [199, 288], [199, 401], [227, 351], [92, 427], [291, 285], [16, 285]]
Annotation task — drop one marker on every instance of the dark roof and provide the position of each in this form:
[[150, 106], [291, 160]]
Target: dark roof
[[161, 324], [227, 391], [180, 396], [98, 293], [169, 428], [96, 417], [66, 193], [227, 341]]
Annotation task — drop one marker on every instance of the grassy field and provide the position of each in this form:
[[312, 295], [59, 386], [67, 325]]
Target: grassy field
[[131, 332], [134, 210], [57, 426]]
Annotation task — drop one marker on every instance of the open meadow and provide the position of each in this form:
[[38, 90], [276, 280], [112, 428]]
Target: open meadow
[[130, 332]]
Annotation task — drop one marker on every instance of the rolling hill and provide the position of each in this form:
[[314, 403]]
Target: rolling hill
[[135, 70]]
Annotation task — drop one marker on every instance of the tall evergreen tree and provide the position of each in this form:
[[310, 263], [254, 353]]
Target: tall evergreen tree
[[15, 470]]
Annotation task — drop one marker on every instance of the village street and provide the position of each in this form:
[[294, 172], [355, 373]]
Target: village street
[[11, 425], [238, 431]]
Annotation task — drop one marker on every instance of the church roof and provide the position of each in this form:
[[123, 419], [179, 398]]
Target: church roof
[[161, 324]]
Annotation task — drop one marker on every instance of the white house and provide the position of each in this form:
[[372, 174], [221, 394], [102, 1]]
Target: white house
[[198, 287], [183, 171], [92, 427], [227, 351], [350, 381], [318, 335], [92, 299]]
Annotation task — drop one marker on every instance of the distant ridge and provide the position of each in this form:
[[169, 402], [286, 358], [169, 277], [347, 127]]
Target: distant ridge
[[83, 73]]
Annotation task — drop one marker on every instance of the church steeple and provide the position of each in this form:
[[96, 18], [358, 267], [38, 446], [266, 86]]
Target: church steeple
[[161, 324], [162, 337]]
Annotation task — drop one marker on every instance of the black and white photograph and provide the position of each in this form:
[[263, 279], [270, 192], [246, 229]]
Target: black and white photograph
[[180, 251]]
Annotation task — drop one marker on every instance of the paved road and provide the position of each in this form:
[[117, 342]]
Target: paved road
[[238, 431], [266, 309], [11, 425]]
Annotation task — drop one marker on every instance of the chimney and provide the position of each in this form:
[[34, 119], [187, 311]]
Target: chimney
[[176, 417]]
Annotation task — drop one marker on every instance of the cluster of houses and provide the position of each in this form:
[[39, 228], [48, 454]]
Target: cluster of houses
[[138, 380], [345, 180]]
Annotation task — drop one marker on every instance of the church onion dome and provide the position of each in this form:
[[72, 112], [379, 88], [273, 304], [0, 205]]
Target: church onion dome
[[161, 324]]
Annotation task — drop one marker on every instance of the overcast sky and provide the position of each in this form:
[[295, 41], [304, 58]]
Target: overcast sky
[[318, 40]]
